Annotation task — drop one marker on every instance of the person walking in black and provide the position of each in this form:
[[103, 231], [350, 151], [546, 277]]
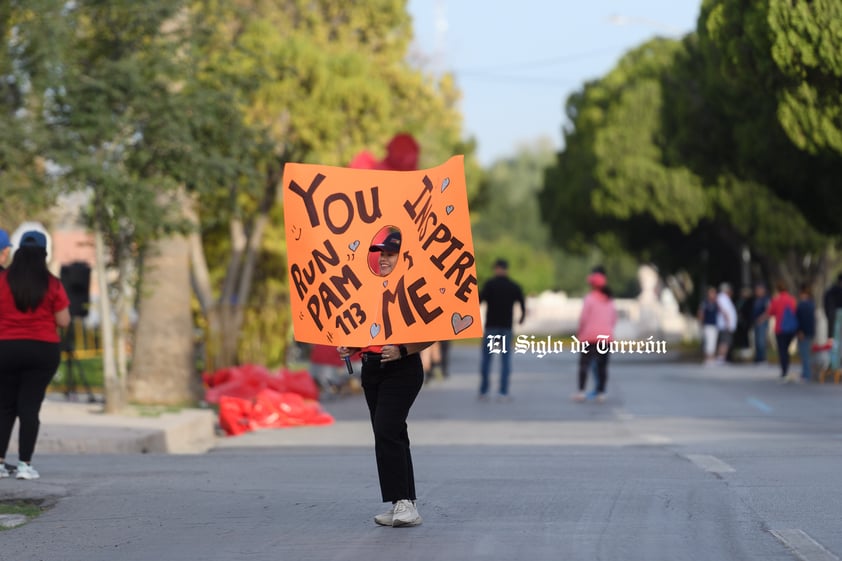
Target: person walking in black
[[500, 294], [392, 376], [832, 302]]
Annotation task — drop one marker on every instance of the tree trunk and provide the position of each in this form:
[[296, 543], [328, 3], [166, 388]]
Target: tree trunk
[[115, 394], [121, 308], [225, 315], [163, 370]]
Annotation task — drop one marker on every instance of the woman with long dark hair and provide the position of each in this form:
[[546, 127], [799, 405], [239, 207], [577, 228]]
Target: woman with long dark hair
[[33, 304]]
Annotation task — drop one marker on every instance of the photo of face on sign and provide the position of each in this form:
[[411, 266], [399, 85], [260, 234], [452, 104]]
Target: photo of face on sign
[[383, 255], [379, 255]]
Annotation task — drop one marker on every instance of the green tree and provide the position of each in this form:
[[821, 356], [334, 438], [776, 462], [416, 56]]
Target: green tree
[[177, 117], [506, 219], [120, 130], [745, 85], [27, 47], [774, 192], [612, 186], [320, 82], [674, 160], [806, 41]]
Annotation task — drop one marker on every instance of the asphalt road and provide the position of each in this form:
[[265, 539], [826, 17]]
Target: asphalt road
[[680, 463]]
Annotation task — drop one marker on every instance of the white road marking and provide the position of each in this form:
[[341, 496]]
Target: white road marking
[[710, 464], [656, 439], [803, 546], [757, 404]]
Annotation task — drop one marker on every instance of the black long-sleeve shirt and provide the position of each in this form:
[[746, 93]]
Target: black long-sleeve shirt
[[500, 294], [832, 302]]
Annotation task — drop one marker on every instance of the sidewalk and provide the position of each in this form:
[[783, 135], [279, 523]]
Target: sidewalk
[[82, 428]]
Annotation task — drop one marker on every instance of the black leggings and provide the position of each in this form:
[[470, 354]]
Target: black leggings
[[783, 340], [390, 391], [26, 368]]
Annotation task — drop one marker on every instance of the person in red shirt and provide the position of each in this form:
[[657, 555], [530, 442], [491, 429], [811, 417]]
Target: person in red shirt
[[33, 305], [392, 376], [782, 303]]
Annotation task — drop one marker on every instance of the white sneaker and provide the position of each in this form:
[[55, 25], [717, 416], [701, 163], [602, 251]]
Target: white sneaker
[[405, 514], [4, 471], [26, 471], [385, 519]]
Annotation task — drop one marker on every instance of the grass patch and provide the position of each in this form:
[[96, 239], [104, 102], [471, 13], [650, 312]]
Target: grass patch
[[28, 509], [87, 369], [156, 410]]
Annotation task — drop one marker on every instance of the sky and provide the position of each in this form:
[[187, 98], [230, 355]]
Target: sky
[[517, 62]]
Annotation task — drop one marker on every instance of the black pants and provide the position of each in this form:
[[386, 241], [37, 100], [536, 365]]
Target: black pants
[[601, 368], [783, 340], [390, 390], [26, 368]]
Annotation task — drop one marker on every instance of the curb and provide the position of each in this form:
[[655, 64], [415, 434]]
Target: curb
[[80, 428]]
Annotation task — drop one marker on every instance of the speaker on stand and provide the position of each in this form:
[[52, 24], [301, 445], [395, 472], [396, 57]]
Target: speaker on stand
[[76, 278]]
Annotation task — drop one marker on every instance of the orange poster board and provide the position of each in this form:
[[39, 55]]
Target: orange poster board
[[334, 215]]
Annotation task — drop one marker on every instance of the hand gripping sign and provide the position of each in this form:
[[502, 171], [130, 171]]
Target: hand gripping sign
[[333, 218]]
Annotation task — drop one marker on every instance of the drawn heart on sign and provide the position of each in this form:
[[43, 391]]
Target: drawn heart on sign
[[385, 284], [375, 330], [445, 182], [441, 290], [354, 246], [460, 323], [448, 209]]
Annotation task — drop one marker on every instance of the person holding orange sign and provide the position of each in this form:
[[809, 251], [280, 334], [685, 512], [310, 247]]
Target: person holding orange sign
[[392, 376]]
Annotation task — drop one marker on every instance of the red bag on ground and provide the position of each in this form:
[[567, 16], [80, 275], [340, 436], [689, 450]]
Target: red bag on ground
[[294, 410], [299, 382], [248, 380], [251, 398], [234, 415], [269, 409], [238, 382]]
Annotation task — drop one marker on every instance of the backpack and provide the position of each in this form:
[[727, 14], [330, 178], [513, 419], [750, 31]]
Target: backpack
[[789, 321]]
